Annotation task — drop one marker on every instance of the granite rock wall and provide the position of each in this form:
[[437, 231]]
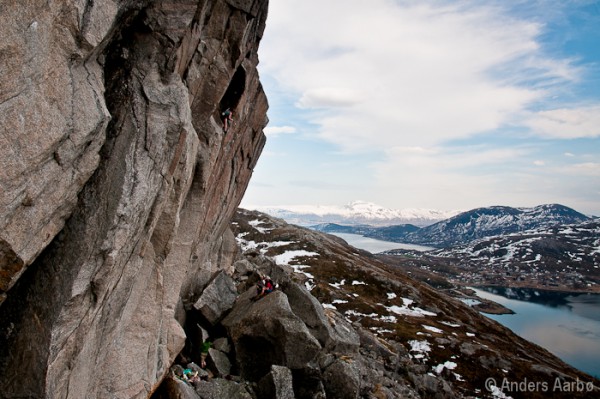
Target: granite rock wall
[[118, 182]]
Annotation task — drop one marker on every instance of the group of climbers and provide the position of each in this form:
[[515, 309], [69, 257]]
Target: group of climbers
[[194, 374]]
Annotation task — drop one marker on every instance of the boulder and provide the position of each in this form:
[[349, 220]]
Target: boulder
[[222, 344], [218, 388], [372, 343], [308, 383], [201, 372], [174, 388], [278, 384], [267, 332], [218, 362], [343, 338], [217, 298], [243, 267], [331, 329], [431, 386], [342, 379]]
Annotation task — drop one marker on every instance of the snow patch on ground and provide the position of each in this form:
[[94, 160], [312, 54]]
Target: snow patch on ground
[[406, 311], [288, 256], [420, 347], [358, 314], [497, 393], [447, 365], [447, 323], [247, 245], [257, 223], [388, 319], [298, 269], [433, 329], [338, 285]]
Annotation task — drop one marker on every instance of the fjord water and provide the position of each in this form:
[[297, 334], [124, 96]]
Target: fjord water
[[567, 325]]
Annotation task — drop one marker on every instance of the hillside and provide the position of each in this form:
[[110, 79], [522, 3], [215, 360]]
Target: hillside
[[433, 345], [561, 257]]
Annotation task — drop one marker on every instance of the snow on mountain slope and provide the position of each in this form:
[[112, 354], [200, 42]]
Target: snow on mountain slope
[[492, 221], [356, 212]]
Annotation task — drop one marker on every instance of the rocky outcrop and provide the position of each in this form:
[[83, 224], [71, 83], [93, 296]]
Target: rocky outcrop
[[382, 333], [268, 332], [118, 182], [284, 346]]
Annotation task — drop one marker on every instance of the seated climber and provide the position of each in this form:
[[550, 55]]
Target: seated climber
[[264, 287], [191, 376], [227, 119]]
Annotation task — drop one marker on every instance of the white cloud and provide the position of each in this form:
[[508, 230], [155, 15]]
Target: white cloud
[[273, 131], [325, 97], [400, 80], [393, 74], [566, 123], [585, 169], [461, 178]]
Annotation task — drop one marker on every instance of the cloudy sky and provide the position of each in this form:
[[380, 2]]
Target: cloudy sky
[[431, 104]]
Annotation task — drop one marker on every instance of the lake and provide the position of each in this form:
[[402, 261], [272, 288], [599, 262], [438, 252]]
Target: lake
[[375, 246], [568, 325]]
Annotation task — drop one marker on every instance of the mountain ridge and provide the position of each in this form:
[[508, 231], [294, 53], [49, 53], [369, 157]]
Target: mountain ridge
[[470, 225], [354, 213], [560, 257]]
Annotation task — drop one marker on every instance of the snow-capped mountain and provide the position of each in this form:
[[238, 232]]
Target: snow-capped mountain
[[468, 226], [357, 212], [574, 247], [565, 257], [493, 221]]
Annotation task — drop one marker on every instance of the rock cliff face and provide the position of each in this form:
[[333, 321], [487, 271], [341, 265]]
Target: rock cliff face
[[118, 182]]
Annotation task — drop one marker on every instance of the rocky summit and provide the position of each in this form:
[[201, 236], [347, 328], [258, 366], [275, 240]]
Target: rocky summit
[[118, 182]]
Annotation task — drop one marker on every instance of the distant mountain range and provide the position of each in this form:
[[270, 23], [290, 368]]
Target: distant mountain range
[[469, 226], [356, 213]]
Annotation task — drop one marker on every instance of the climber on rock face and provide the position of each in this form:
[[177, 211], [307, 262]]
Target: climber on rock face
[[227, 116]]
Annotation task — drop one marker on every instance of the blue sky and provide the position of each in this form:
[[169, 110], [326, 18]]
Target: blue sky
[[431, 104]]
